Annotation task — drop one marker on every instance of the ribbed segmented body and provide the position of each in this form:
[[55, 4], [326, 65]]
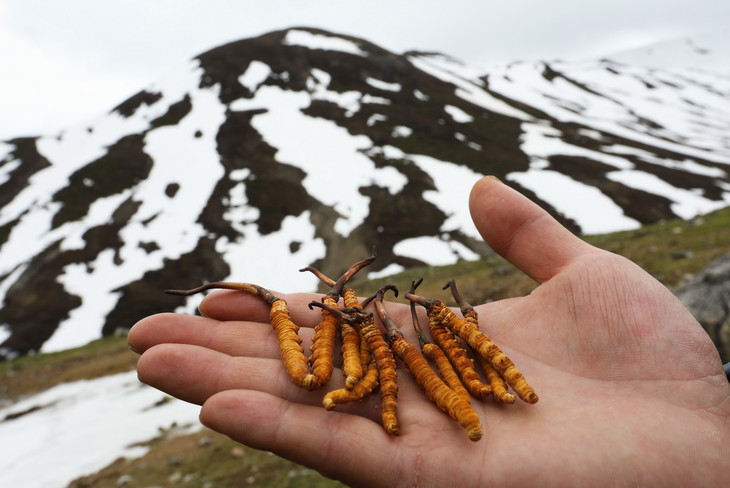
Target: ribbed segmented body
[[487, 349], [436, 390]]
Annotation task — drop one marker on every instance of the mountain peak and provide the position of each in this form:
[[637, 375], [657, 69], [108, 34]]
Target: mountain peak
[[706, 51]]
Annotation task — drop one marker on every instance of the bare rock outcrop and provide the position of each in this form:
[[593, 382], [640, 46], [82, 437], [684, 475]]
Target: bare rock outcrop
[[707, 296]]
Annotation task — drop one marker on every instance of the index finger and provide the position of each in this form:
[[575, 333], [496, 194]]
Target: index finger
[[237, 305]]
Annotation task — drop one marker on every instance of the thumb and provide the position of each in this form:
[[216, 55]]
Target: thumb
[[522, 232]]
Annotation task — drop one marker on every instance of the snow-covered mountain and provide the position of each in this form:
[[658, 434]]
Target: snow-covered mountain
[[703, 51], [302, 147]]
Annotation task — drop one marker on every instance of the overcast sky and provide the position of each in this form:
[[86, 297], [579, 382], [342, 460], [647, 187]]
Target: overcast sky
[[63, 62]]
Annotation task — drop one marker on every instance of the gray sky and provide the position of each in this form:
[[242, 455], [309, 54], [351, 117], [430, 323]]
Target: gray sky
[[65, 61]]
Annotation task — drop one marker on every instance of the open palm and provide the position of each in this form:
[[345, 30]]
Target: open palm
[[631, 388]]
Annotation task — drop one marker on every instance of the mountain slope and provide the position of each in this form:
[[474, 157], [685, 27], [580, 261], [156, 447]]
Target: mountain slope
[[303, 147], [705, 51]]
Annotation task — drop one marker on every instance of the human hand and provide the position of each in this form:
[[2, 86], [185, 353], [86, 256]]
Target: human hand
[[631, 388]]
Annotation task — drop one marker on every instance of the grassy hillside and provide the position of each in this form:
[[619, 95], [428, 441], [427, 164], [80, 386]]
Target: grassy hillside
[[670, 251]]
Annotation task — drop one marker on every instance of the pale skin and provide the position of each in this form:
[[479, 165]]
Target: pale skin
[[631, 388]]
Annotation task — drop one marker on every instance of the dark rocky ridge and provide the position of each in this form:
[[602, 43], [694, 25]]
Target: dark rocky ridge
[[707, 296]]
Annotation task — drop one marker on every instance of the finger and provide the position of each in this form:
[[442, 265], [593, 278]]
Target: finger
[[233, 338], [521, 231], [194, 374], [237, 305], [347, 447], [234, 305]]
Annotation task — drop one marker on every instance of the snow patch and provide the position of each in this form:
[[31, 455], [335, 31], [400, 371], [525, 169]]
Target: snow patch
[[420, 95], [708, 50], [320, 41], [389, 270], [453, 184], [468, 85], [99, 213], [29, 236], [687, 165], [458, 115], [7, 168], [256, 73], [593, 211], [78, 147], [540, 140], [401, 131], [320, 147], [383, 85], [375, 118], [95, 283], [5, 150], [4, 333], [433, 250], [646, 106], [248, 262], [239, 174], [168, 221], [687, 203], [78, 428]]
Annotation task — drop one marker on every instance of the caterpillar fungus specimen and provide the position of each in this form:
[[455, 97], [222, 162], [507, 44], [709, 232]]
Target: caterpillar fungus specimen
[[477, 339], [355, 350], [364, 322], [496, 382], [361, 371], [445, 398], [369, 354], [435, 353], [455, 352], [312, 372], [295, 362]]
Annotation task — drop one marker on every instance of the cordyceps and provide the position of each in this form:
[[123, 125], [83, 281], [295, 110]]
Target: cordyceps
[[364, 322], [312, 372], [360, 370], [468, 330], [355, 352], [287, 332], [448, 400], [369, 355], [323, 342], [456, 353], [436, 354], [497, 384]]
